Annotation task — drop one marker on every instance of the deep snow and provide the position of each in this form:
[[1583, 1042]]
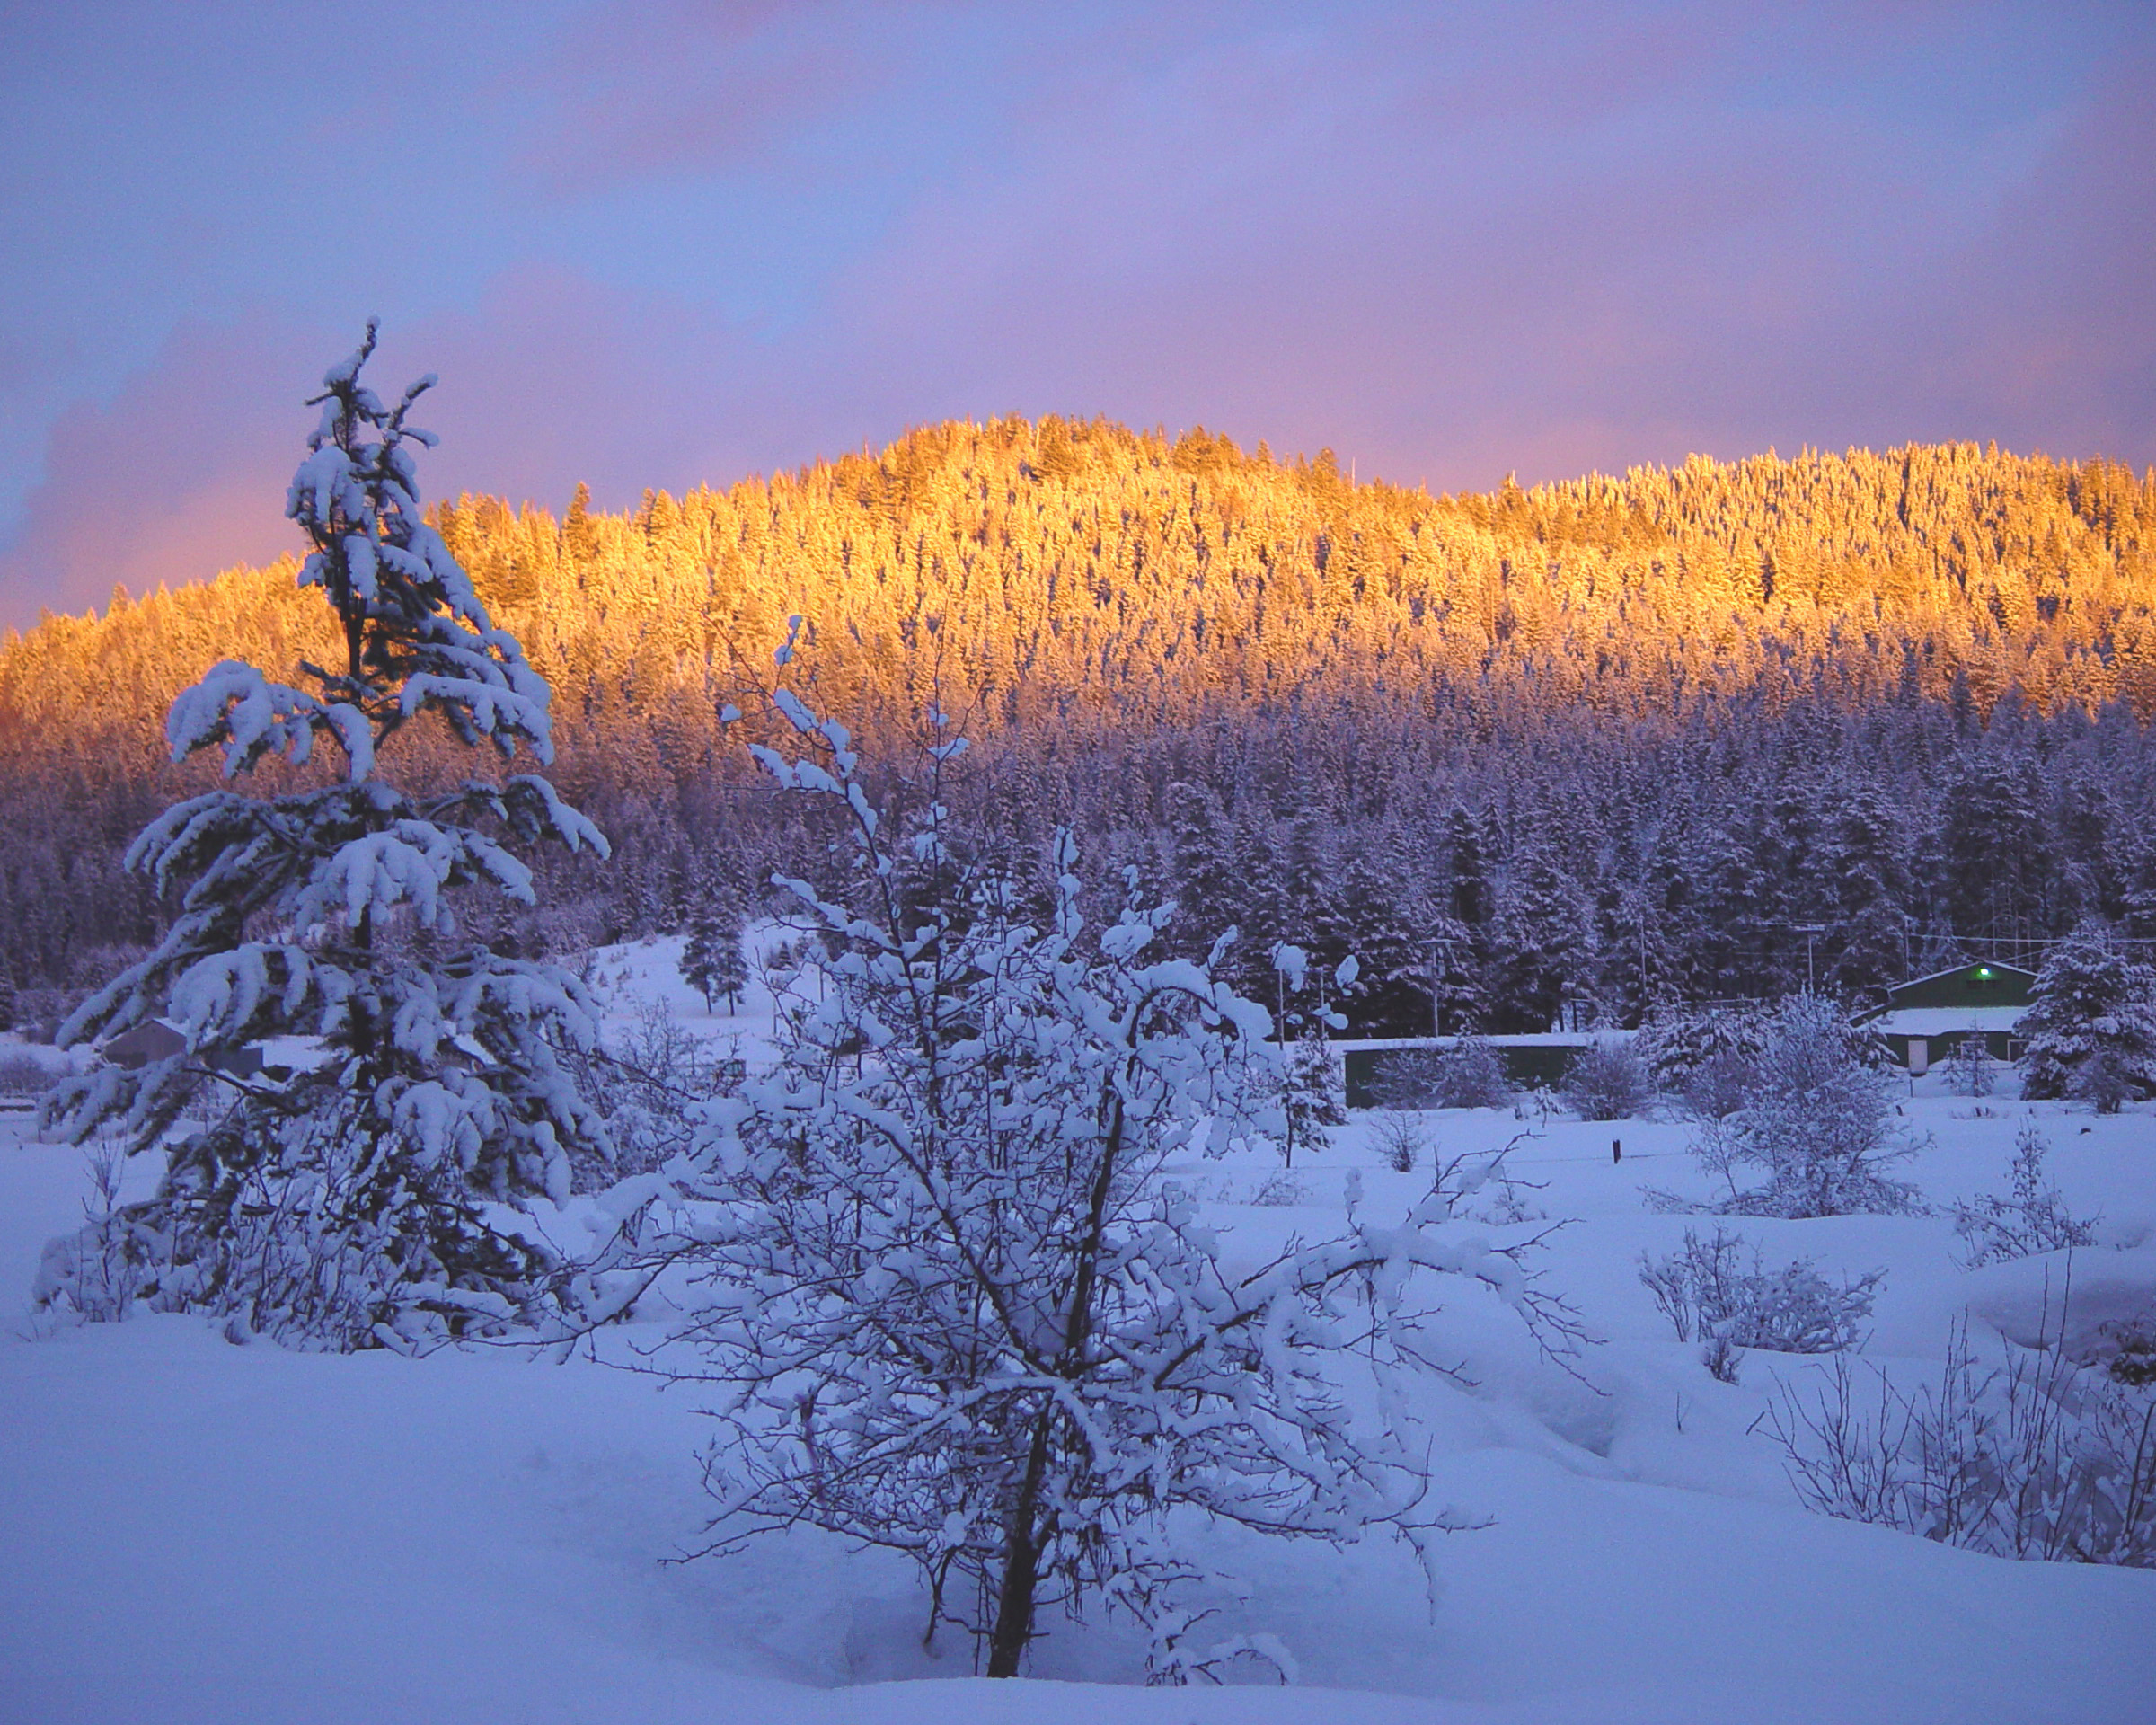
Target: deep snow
[[190, 1530]]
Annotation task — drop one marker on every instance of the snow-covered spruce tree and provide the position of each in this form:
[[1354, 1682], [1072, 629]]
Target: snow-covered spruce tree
[[2090, 1027], [712, 958], [1310, 1097], [1816, 1117], [357, 1204], [949, 1307]]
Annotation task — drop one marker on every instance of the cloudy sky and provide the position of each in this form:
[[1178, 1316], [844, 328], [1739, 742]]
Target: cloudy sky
[[670, 243]]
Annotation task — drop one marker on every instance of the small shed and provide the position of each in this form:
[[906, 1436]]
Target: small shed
[[1927, 1018]]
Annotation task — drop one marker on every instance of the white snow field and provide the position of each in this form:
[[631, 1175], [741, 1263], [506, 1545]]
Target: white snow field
[[195, 1531]]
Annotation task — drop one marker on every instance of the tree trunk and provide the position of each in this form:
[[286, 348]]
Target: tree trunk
[[1021, 1562]]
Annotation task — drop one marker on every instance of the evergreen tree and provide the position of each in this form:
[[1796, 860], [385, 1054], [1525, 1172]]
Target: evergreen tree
[[711, 959], [2090, 1027], [1542, 946], [353, 1206]]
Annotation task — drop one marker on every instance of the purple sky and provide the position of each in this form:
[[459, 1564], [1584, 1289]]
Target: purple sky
[[666, 243]]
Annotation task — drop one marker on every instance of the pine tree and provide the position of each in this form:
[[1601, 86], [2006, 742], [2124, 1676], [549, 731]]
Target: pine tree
[[711, 959], [351, 1207], [2090, 1027]]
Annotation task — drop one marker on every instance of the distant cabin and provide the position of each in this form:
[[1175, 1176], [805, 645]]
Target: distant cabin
[[1925, 1019]]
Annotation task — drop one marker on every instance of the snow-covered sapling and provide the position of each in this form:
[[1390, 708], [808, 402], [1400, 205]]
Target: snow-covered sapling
[[2032, 1218], [1311, 1098], [1969, 1067], [948, 1307], [356, 1204], [713, 962]]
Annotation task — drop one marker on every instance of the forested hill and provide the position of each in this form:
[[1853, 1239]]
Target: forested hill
[[1124, 613]]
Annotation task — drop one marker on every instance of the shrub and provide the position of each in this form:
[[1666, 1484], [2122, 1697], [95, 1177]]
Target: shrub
[[24, 1075], [1467, 1075], [1708, 1294], [1400, 1138], [2037, 1458], [1470, 1075], [1608, 1081]]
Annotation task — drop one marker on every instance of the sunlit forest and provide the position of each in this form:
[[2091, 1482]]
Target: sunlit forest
[[1565, 751]]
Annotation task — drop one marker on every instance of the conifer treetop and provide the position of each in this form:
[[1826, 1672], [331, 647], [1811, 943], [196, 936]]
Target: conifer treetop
[[417, 638]]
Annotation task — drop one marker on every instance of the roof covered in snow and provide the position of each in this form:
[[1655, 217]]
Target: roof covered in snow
[[1945, 1021]]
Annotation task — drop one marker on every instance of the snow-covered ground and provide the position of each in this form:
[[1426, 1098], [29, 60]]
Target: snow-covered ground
[[190, 1530]]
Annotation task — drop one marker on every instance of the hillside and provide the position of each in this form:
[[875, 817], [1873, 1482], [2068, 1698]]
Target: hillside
[[1117, 613]]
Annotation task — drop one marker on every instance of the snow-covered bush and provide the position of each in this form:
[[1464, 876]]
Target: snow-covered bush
[[1817, 1116], [1607, 1081], [2032, 1218], [23, 1074], [356, 1203], [947, 1306], [2035, 1457], [1405, 1079], [1467, 1075], [2091, 1026], [1711, 1293]]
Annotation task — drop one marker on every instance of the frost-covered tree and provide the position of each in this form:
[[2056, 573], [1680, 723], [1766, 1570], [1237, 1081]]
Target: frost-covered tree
[[1311, 1100], [1706, 1058], [1816, 1117], [1969, 1065], [947, 1303], [712, 958], [359, 1203], [2090, 1027]]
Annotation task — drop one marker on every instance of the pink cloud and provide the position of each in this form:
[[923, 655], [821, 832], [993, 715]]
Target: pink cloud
[[659, 87], [181, 474]]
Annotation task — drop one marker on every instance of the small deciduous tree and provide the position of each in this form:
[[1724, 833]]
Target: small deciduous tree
[[948, 1304], [2091, 1026], [2031, 1217], [1816, 1117], [355, 1205], [1969, 1066]]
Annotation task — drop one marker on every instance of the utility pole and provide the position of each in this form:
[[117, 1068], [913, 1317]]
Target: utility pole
[[1810, 931]]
